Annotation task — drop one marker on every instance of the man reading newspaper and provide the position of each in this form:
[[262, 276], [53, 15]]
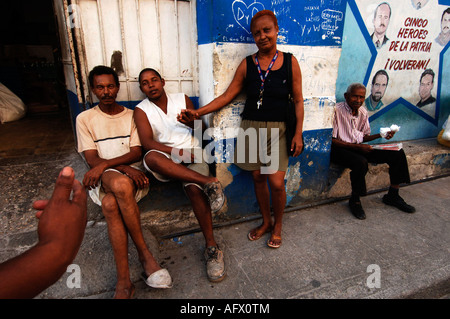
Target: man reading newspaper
[[351, 131]]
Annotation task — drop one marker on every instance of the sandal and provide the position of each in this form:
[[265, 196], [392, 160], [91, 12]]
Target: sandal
[[252, 233], [271, 240]]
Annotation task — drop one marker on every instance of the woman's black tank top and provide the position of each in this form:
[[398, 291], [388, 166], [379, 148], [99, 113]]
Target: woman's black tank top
[[275, 97]]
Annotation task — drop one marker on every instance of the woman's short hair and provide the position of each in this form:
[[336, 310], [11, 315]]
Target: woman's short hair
[[261, 13]]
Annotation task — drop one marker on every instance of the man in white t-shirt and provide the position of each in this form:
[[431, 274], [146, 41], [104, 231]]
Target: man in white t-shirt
[[108, 139], [173, 153]]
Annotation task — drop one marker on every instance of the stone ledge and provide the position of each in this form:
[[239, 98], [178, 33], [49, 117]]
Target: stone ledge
[[426, 159], [166, 210]]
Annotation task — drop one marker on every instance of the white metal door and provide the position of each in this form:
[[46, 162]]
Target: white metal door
[[130, 35]]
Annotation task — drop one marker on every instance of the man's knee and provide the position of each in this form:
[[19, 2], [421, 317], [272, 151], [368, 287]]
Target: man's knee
[[109, 205], [360, 166], [196, 195], [122, 186], [194, 192], [153, 159], [400, 157]]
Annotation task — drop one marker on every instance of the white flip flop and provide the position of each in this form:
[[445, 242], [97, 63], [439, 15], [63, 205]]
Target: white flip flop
[[159, 279]]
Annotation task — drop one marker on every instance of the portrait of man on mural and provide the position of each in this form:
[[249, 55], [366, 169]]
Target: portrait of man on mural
[[381, 19], [379, 84], [444, 35], [419, 4], [427, 101]]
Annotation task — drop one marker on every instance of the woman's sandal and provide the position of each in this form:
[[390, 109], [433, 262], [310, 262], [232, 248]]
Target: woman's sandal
[[252, 233], [271, 240]]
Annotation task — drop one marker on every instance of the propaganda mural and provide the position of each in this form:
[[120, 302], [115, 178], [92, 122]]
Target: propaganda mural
[[398, 50]]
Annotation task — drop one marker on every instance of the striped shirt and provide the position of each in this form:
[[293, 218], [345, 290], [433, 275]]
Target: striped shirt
[[347, 127], [111, 135]]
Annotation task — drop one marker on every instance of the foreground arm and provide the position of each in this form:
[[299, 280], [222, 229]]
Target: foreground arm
[[235, 87], [60, 230]]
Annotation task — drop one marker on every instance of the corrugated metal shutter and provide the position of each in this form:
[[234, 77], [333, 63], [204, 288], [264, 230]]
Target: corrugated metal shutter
[[130, 35]]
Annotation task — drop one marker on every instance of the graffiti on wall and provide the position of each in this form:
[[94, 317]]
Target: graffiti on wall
[[243, 13], [312, 22], [404, 42]]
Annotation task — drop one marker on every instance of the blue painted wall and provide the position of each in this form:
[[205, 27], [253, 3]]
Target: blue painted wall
[[307, 22], [305, 180]]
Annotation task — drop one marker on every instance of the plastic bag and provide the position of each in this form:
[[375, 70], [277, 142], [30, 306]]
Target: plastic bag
[[11, 106], [385, 130], [446, 128]]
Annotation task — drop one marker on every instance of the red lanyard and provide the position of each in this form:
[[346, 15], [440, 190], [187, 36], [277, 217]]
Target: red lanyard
[[263, 77]]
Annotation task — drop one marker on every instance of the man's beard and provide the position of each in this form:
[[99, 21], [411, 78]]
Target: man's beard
[[377, 97]]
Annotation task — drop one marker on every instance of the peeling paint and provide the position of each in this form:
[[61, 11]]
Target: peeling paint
[[116, 62], [228, 117], [226, 176], [293, 180]]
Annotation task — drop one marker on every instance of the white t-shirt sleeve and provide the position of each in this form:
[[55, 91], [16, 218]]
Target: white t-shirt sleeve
[[84, 137]]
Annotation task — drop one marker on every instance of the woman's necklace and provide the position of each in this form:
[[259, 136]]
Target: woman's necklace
[[263, 77]]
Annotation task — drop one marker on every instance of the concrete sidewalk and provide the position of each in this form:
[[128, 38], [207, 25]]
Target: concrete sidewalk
[[326, 253]]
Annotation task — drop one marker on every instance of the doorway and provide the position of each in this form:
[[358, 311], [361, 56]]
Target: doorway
[[31, 67]]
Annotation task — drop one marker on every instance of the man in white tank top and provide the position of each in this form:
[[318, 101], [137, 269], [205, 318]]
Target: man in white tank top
[[173, 153]]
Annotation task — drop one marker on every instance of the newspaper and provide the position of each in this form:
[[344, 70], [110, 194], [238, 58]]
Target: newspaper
[[388, 147]]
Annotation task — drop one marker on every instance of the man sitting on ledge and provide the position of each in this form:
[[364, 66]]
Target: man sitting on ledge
[[172, 153], [351, 130]]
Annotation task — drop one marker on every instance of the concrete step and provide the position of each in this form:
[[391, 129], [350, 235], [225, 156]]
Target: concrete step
[[326, 254], [168, 212], [426, 159]]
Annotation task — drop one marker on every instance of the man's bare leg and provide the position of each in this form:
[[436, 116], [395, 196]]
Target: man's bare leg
[[119, 241], [124, 192], [167, 167], [215, 265], [202, 212]]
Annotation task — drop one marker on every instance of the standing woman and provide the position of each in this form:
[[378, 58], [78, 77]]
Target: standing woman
[[264, 77]]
